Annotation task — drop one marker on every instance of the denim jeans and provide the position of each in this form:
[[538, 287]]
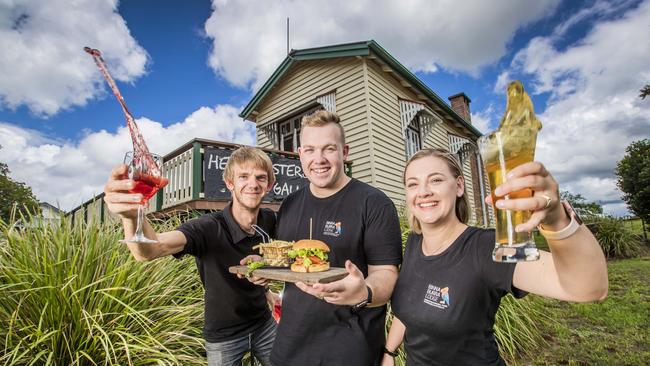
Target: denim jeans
[[230, 353]]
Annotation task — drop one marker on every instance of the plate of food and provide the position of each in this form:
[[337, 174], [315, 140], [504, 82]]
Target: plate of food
[[308, 263]]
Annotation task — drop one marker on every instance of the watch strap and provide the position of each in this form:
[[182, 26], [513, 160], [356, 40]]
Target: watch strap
[[569, 230], [392, 353], [364, 302]]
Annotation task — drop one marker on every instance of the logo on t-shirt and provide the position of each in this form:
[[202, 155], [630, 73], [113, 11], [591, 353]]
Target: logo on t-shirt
[[332, 228], [437, 297]]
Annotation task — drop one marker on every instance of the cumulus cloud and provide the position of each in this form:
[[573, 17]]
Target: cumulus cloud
[[248, 44], [44, 40], [594, 111], [483, 120], [68, 173]]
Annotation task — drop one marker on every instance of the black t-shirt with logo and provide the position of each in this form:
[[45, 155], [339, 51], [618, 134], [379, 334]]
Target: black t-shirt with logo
[[233, 306], [448, 301], [358, 223]]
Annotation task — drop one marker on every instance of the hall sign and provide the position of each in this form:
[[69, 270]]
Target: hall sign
[[288, 175]]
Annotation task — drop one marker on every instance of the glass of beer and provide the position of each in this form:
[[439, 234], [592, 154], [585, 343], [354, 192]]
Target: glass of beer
[[511, 145]]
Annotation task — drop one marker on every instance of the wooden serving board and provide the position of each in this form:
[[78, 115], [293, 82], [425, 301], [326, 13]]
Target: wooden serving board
[[286, 275]]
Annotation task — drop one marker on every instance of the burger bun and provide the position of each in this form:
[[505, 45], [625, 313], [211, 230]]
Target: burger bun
[[295, 267], [311, 244]]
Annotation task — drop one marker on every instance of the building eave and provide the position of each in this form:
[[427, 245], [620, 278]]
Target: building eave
[[350, 50]]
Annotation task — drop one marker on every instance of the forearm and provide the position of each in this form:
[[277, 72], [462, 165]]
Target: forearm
[[141, 252], [382, 282], [580, 266], [395, 335]]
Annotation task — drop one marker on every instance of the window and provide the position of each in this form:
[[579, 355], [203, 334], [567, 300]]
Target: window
[[457, 145], [289, 130], [412, 136]]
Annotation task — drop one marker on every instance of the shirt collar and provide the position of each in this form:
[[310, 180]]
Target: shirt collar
[[236, 232]]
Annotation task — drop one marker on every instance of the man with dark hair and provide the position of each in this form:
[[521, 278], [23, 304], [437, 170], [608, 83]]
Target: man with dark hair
[[237, 318]]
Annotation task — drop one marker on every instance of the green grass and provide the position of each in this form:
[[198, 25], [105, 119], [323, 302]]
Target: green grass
[[636, 226], [614, 332], [72, 295]]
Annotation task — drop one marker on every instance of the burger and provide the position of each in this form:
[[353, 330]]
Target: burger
[[275, 253], [309, 256]]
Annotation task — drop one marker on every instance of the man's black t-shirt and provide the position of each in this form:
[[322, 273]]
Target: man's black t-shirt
[[358, 223], [233, 306], [448, 301]]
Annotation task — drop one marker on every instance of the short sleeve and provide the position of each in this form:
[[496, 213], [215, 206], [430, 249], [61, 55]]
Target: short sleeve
[[382, 234], [196, 233], [497, 276]]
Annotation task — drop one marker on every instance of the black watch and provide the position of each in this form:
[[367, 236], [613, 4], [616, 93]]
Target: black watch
[[391, 353], [365, 302]]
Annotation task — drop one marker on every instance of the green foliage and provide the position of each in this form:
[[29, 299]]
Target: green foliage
[[616, 239], [612, 332], [516, 327], [587, 210], [633, 173], [644, 92], [72, 295], [14, 194]]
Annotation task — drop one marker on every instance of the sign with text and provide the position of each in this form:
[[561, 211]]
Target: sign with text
[[288, 175]]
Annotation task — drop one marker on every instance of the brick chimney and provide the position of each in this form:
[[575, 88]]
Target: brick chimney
[[460, 104]]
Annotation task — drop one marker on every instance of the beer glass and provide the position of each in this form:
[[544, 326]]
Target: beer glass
[[511, 145]]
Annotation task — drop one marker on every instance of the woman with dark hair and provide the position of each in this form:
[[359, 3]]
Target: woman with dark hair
[[449, 288]]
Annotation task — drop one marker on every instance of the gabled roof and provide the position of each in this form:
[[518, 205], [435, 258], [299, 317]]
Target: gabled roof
[[348, 50], [44, 204]]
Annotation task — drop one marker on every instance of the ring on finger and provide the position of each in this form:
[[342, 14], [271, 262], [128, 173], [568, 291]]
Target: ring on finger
[[548, 201]]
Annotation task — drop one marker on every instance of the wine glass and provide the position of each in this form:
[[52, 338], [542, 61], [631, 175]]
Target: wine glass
[[146, 171]]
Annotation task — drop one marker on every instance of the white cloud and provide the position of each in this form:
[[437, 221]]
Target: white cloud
[[248, 44], [44, 40], [594, 111], [483, 120], [69, 173]]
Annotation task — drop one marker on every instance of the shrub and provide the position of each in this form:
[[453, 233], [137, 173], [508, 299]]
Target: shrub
[[72, 295], [615, 238]]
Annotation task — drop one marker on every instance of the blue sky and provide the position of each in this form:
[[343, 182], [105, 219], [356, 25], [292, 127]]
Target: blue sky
[[186, 69]]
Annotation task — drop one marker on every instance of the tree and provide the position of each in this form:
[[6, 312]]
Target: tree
[[645, 91], [14, 193], [633, 173], [584, 208]]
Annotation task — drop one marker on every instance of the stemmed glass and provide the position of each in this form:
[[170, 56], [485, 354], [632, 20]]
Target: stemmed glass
[[146, 172]]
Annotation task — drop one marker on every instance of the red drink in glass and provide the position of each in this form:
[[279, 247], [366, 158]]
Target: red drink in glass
[[277, 312], [147, 186]]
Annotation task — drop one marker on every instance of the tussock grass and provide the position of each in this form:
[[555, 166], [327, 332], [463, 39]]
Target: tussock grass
[[616, 239], [72, 295]]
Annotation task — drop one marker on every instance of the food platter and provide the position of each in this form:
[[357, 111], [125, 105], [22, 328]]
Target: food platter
[[286, 275]]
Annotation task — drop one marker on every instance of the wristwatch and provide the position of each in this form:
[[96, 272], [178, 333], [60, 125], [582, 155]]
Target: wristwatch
[[391, 353], [573, 226], [365, 302]]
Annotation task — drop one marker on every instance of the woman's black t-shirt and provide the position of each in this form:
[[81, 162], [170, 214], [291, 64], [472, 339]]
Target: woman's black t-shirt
[[448, 301]]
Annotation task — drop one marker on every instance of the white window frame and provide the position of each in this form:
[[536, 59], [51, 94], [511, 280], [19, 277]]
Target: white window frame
[[290, 129], [413, 138]]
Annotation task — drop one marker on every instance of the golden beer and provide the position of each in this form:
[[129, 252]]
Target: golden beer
[[511, 145]]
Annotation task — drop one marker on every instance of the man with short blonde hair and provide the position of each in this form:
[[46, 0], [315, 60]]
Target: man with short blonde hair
[[339, 323], [237, 318], [321, 118]]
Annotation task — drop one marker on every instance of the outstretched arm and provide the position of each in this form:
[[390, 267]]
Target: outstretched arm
[[124, 204], [575, 269]]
